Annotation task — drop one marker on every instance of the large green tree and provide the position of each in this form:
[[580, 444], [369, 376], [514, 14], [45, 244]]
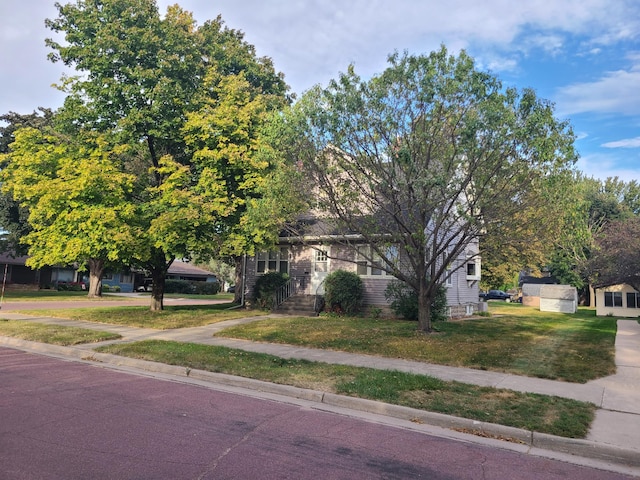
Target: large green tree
[[77, 198], [426, 159], [13, 216], [155, 82]]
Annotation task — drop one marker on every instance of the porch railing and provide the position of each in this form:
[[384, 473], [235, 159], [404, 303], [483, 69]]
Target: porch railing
[[283, 292]]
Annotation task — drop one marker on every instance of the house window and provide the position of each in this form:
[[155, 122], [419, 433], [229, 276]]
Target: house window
[[273, 261], [473, 267], [447, 273], [370, 263], [633, 300], [126, 278], [321, 261], [107, 276], [613, 299]]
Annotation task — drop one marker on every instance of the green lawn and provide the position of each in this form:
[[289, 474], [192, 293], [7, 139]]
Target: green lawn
[[171, 317], [53, 296], [541, 413], [54, 334], [515, 339]]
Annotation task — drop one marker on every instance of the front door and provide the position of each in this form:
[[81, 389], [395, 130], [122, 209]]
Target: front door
[[320, 270]]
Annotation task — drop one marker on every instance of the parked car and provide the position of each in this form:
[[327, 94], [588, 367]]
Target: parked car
[[231, 289], [496, 295]]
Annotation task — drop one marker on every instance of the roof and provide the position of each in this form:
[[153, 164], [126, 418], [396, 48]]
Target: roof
[[183, 268], [10, 259]]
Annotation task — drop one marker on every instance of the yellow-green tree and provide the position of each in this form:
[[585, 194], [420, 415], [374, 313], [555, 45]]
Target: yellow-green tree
[[159, 84], [78, 200]]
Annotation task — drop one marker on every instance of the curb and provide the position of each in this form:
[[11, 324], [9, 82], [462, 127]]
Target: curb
[[586, 449]]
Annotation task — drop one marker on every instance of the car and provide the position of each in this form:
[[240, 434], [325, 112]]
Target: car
[[496, 295], [231, 289]]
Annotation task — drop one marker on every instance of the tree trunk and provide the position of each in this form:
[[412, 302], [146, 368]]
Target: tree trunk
[[239, 279], [158, 276], [592, 296], [424, 308], [158, 267], [96, 270]]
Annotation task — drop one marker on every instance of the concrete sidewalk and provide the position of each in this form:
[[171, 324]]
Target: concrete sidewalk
[[616, 427]]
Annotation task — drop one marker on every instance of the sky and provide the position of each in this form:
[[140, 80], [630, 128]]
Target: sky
[[582, 55]]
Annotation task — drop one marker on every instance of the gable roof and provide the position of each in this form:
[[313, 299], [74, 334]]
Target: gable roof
[[179, 267]]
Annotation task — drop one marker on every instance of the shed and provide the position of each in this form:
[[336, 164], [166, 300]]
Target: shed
[[558, 298]]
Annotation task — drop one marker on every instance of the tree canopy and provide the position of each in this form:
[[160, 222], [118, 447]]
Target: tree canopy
[[184, 106], [429, 157]]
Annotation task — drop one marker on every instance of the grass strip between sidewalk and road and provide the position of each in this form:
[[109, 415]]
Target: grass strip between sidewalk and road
[[180, 316], [53, 334], [540, 413]]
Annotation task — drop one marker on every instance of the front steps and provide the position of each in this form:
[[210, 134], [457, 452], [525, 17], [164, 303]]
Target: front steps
[[298, 305]]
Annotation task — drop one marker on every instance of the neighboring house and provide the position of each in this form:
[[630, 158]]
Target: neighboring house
[[130, 281], [18, 275], [310, 258], [618, 301]]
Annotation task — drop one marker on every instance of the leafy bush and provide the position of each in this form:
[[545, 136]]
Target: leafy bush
[[266, 287], [206, 288], [191, 287], [343, 291], [178, 286], [404, 301], [71, 286]]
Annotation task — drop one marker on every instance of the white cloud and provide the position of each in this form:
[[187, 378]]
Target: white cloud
[[626, 143], [614, 92]]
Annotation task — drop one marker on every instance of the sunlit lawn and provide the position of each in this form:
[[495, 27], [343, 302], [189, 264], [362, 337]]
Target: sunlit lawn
[[54, 334], [171, 317], [515, 339]]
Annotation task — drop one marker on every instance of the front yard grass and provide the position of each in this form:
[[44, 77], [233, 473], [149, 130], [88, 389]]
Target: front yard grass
[[540, 413], [515, 339], [53, 334], [182, 316]]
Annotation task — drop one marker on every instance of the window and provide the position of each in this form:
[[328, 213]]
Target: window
[[126, 278], [473, 266], [613, 299], [321, 261], [633, 300], [448, 274], [107, 276], [273, 261], [374, 265]]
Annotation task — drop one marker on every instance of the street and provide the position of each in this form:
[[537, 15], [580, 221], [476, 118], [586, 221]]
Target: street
[[69, 420]]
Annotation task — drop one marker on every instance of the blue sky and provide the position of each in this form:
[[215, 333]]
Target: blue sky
[[583, 55]]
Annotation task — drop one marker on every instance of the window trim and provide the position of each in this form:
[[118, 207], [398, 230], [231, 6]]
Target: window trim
[[273, 261]]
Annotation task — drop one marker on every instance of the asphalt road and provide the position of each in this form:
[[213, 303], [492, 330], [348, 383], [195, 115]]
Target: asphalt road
[[68, 420]]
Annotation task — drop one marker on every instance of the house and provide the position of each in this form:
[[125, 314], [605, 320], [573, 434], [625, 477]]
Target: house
[[16, 274], [309, 258], [617, 300], [129, 281]]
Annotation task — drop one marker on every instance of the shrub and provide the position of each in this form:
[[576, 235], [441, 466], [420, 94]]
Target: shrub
[[206, 288], [266, 286], [404, 301], [178, 286], [343, 291]]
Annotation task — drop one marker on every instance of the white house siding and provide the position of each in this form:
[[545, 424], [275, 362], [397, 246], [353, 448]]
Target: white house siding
[[624, 311]]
